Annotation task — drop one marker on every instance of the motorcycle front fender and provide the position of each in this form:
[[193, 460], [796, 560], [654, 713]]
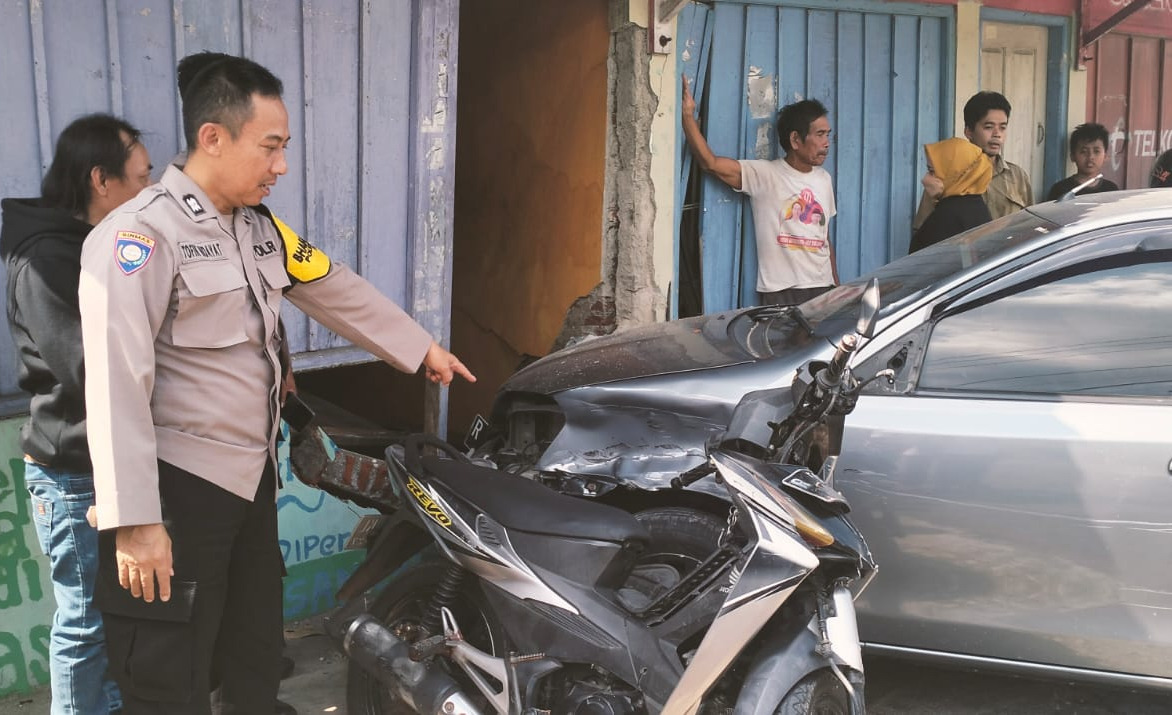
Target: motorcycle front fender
[[399, 537], [786, 657]]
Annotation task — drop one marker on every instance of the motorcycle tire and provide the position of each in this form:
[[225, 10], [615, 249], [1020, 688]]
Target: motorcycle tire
[[819, 693], [402, 602], [680, 537]]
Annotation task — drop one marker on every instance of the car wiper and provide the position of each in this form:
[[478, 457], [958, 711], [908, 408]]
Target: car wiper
[[769, 312], [797, 315]]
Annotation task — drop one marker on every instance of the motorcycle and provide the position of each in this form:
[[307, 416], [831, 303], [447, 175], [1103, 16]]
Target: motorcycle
[[509, 597]]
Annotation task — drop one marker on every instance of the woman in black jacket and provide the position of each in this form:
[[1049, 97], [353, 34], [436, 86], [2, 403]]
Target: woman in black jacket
[[965, 172]]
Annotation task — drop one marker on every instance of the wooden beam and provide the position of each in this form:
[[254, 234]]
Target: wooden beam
[[1112, 22]]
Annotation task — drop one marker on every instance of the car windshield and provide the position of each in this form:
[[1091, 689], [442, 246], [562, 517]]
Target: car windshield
[[837, 310]]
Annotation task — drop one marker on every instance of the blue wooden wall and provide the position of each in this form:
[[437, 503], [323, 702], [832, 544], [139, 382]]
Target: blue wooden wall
[[885, 73], [370, 88]]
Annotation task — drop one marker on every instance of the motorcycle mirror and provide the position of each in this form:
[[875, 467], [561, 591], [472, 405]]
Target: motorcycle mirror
[[868, 309]]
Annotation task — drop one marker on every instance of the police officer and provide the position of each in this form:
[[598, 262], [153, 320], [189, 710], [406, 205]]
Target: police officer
[[180, 292]]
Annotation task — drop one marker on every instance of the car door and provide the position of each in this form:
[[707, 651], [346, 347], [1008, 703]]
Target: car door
[[1014, 483]]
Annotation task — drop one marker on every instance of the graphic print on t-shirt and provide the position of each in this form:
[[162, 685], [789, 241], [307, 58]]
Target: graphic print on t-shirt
[[805, 208]]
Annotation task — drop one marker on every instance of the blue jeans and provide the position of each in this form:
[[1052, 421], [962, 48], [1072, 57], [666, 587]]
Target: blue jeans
[[77, 644]]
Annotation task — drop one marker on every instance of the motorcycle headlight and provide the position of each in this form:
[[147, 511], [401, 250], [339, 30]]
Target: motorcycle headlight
[[744, 478], [807, 525]]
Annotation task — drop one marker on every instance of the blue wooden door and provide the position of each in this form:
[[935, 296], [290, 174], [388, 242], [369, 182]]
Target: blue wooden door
[[885, 73]]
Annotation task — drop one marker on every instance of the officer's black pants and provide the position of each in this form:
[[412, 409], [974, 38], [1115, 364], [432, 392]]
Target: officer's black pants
[[232, 642]]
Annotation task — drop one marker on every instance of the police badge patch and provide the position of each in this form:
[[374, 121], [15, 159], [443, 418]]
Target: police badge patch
[[132, 251]]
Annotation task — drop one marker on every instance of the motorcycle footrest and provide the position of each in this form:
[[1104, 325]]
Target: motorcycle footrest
[[420, 651]]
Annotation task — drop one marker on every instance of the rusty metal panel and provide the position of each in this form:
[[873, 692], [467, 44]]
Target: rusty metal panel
[[1127, 95], [370, 88]]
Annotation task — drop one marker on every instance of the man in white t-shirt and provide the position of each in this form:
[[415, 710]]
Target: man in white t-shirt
[[792, 200]]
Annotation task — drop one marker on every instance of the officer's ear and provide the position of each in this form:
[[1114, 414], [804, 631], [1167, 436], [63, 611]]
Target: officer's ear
[[211, 137], [97, 181]]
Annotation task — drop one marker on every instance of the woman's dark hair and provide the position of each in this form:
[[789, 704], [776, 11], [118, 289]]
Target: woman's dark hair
[[94, 141], [797, 117], [218, 88]]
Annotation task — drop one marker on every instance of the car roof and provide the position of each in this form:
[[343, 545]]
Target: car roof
[[1109, 208]]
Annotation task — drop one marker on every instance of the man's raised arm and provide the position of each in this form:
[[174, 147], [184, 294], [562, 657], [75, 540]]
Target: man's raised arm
[[726, 169]]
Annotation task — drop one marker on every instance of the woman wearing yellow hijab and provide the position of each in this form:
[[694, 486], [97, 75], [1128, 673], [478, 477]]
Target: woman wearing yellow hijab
[[964, 171]]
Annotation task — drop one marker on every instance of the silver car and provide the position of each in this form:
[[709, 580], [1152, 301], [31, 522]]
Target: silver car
[[1014, 481]]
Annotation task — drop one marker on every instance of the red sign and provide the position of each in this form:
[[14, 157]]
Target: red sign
[[1154, 20]]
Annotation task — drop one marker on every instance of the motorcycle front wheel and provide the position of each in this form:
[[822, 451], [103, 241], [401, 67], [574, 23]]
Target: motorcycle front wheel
[[819, 693], [401, 606]]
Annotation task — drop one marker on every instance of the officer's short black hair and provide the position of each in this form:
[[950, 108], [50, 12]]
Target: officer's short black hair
[[798, 117], [981, 104], [1088, 133], [218, 88], [95, 140]]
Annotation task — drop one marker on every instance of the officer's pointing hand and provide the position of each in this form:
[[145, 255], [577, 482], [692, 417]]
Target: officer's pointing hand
[[144, 556], [441, 366]]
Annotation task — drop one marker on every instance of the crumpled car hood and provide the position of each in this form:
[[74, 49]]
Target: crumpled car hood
[[641, 404], [685, 345]]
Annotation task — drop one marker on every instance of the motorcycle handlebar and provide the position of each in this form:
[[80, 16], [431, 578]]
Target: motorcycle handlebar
[[837, 366]]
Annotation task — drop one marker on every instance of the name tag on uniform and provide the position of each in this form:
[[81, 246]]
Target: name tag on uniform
[[264, 249], [209, 251]]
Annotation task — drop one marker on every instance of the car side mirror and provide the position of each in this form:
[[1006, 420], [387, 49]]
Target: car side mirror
[[868, 309]]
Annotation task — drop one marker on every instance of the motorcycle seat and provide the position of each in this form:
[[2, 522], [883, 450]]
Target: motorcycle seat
[[522, 504]]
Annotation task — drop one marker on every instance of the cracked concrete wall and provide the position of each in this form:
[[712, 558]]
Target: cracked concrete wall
[[629, 228]]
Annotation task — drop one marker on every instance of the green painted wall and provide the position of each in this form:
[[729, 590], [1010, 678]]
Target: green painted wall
[[313, 529], [26, 595]]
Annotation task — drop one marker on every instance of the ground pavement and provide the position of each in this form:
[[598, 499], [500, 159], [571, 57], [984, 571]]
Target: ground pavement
[[318, 686]]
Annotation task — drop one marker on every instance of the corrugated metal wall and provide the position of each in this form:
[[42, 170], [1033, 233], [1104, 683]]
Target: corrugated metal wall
[[370, 88], [884, 72], [1128, 93]]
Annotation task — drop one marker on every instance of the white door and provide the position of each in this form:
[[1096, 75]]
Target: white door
[[1013, 62]]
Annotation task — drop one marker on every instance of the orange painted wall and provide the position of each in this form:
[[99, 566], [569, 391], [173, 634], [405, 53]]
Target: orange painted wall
[[530, 163]]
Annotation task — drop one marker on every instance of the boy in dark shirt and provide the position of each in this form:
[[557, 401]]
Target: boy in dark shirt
[[1088, 151]]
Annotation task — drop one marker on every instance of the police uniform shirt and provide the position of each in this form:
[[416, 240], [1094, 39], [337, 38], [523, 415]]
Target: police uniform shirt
[[179, 309]]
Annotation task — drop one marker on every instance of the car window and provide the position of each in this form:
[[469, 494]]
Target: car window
[[837, 310], [1099, 328]]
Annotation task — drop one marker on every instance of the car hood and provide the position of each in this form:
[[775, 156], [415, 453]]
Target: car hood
[[704, 342]]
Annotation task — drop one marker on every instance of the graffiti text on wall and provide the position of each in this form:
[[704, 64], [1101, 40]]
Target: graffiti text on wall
[[1150, 142], [1143, 142], [24, 654]]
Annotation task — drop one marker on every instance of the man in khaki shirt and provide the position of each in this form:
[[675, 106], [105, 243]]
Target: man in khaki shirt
[[986, 123], [180, 293]]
